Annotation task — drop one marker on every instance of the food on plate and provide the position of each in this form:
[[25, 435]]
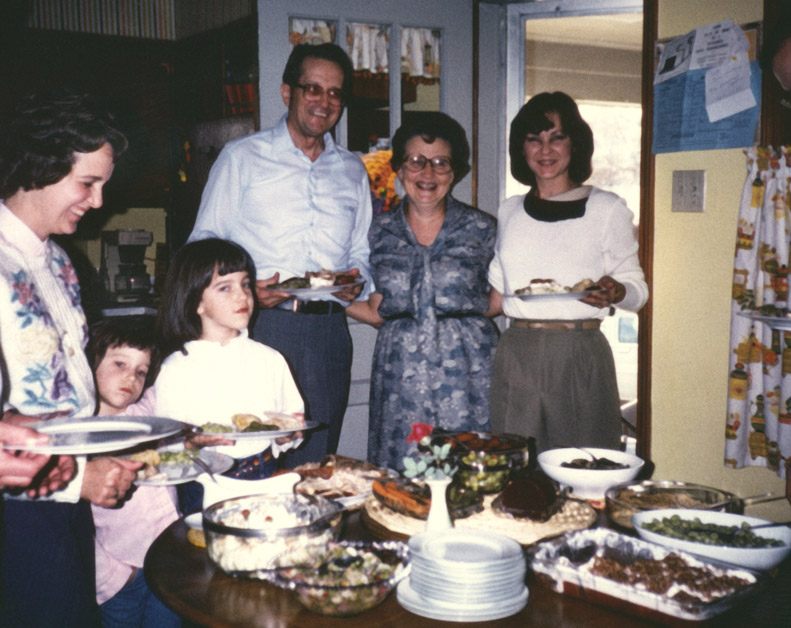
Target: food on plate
[[247, 423], [414, 500], [251, 423], [550, 286], [163, 465], [337, 477], [342, 579], [573, 515], [709, 533], [531, 495], [196, 537], [316, 279], [216, 428], [598, 464]]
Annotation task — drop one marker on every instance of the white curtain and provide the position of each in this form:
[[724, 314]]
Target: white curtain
[[368, 46], [758, 424]]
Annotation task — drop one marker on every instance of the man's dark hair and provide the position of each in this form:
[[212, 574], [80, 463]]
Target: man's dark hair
[[775, 36], [329, 52]]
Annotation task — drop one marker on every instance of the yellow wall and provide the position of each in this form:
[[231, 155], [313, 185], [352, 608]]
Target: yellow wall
[[693, 260]]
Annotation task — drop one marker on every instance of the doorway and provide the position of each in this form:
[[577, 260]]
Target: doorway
[[591, 50]]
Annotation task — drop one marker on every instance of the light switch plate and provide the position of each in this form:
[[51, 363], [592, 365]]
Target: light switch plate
[[689, 190]]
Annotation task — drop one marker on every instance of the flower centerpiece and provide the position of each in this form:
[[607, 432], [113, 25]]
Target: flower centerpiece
[[432, 460], [431, 464]]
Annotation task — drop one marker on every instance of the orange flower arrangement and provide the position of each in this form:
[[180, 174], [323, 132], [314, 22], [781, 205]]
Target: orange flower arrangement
[[382, 180]]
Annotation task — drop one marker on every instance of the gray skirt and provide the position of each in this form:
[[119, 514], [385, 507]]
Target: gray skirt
[[557, 386]]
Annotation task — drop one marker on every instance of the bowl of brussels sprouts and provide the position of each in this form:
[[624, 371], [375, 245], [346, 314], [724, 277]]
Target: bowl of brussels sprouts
[[723, 536]]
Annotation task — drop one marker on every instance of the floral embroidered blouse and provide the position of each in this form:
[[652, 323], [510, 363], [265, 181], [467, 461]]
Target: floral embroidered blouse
[[43, 328]]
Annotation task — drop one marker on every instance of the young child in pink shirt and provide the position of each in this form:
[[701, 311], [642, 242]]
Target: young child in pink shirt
[[125, 361]]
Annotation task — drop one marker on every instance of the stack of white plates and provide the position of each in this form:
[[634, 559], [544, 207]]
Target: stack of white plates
[[464, 576]]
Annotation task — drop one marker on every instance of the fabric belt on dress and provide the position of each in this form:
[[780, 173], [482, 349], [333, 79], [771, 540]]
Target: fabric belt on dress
[[588, 323], [312, 307]]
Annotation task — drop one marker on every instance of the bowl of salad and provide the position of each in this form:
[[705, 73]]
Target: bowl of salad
[[342, 578]]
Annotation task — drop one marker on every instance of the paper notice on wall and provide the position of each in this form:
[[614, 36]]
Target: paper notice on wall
[[728, 90], [706, 90], [705, 47]]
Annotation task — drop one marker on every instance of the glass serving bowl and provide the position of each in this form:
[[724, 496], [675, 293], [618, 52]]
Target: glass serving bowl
[[344, 578], [485, 460], [625, 500], [244, 534]]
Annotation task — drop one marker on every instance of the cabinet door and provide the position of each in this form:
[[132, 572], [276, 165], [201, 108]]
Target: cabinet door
[[450, 19]]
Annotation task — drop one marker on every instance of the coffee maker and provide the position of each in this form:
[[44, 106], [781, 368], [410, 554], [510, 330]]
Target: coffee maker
[[123, 264]]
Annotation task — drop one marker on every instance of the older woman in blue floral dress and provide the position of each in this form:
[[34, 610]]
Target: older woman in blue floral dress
[[429, 258]]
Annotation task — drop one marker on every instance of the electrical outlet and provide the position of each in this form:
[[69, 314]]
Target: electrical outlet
[[689, 190]]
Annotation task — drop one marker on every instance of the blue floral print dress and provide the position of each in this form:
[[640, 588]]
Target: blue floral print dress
[[433, 357]]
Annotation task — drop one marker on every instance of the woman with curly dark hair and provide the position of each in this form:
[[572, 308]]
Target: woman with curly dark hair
[[55, 157], [429, 255], [554, 375]]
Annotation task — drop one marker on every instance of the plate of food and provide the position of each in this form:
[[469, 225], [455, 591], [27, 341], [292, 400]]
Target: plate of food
[[250, 426], [541, 289], [318, 283], [345, 480], [98, 434], [398, 512], [168, 466]]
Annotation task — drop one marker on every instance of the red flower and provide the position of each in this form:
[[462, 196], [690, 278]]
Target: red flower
[[419, 430]]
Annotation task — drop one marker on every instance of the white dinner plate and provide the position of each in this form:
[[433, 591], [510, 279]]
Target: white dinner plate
[[412, 601], [309, 293], [98, 434], [179, 474], [469, 547], [555, 295], [267, 435]]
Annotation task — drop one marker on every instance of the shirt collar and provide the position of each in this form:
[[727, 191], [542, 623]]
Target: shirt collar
[[282, 140], [208, 346], [18, 233]]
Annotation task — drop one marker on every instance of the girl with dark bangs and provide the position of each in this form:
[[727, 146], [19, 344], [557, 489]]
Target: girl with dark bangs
[[212, 369]]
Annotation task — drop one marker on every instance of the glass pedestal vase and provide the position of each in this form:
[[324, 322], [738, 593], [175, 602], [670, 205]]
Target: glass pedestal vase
[[438, 515]]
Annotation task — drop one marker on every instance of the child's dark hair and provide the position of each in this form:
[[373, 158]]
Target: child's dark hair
[[123, 331], [190, 273]]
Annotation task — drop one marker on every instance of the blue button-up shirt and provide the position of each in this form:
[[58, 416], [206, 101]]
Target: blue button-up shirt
[[291, 214]]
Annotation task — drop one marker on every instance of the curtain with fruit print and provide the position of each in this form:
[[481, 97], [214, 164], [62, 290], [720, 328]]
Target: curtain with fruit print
[[758, 427]]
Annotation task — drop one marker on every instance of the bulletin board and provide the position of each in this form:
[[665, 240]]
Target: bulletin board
[[681, 122]]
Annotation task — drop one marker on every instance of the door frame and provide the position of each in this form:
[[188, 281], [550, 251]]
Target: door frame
[[514, 88]]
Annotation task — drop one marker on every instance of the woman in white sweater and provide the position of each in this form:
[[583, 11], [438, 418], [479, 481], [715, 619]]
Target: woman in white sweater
[[554, 374]]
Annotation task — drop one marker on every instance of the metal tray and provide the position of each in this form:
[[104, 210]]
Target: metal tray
[[550, 562]]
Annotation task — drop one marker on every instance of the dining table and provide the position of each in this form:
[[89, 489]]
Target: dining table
[[184, 577]]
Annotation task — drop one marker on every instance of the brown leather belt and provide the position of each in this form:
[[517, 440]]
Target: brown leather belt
[[589, 323], [311, 307]]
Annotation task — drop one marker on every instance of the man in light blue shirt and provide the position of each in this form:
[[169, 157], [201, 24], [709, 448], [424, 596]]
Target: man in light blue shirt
[[299, 202]]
